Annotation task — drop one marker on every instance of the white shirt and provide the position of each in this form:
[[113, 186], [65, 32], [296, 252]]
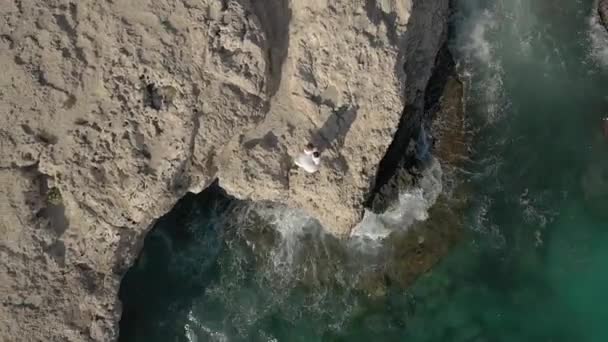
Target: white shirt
[[308, 162]]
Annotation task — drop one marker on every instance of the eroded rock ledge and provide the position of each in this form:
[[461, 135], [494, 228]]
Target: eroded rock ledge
[[113, 110]]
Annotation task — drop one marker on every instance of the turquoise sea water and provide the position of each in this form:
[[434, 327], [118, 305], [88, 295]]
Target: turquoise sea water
[[533, 263]]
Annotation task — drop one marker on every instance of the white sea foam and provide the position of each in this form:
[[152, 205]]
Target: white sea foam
[[295, 225], [480, 65], [285, 258], [536, 208], [194, 325], [412, 206], [482, 224], [521, 21], [478, 45]]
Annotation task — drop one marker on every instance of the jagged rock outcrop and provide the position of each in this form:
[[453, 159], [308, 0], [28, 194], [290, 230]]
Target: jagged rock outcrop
[[603, 12], [112, 110]]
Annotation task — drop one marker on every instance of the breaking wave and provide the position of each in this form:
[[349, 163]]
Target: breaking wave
[[412, 205]]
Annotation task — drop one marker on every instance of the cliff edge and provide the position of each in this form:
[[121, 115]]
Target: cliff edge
[[113, 110], [349, 69]]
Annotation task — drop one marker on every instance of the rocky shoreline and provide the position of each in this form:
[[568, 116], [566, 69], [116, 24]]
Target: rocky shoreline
[[114, 110]]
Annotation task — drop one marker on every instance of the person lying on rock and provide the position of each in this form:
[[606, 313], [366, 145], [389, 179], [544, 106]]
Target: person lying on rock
[[310, 160]]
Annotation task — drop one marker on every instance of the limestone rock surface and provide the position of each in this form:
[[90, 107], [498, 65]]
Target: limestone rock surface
[[349, 69], [110, 111]]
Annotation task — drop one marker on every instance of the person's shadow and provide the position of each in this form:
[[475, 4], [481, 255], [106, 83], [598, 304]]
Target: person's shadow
[[332, 134], [334, 130]]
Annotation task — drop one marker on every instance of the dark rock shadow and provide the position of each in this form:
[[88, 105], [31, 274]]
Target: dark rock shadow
[[377, 16], [274, 16], [412, 126], [55, 213], [332, 134], [49, 208], [412, 62], [269, 142], [334, 130], [46, 204], [57, 251]]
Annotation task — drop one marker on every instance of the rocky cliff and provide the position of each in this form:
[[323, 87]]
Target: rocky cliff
[[113, 110], [603, 12]]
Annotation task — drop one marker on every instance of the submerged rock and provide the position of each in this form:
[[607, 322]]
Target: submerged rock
[[237, 88]]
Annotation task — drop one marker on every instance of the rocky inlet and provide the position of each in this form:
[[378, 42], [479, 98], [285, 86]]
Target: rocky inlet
[[111, 111]]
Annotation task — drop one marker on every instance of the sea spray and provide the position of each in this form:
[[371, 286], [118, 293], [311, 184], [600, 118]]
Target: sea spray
[[412, 205], [478, 65], [286, 254]]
